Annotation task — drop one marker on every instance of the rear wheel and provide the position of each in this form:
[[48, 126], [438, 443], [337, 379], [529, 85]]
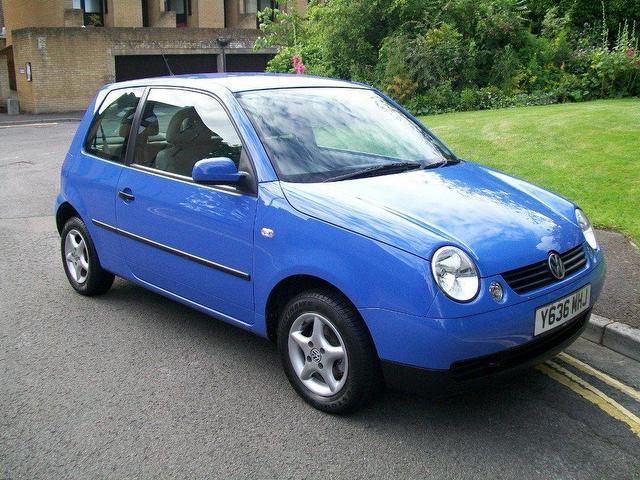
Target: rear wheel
[[327, 353], [80, 261]]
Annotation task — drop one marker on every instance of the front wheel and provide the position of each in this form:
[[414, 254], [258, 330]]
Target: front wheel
[[327, 353], [80, 261]]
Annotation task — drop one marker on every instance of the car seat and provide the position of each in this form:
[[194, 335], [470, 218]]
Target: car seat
[[189, 139]]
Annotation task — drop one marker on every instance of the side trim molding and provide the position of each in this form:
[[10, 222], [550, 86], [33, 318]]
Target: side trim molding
[[174, 251]]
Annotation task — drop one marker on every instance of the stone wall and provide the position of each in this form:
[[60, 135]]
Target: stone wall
[[73, 18], [4, 81], [207, 14], [127, 13], [34, 13], [70, 64]]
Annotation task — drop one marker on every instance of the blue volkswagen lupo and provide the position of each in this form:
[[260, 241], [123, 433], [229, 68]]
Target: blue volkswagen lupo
[[320, 214]]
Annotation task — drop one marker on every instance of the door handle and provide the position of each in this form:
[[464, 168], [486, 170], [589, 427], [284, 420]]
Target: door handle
[[126, 195]]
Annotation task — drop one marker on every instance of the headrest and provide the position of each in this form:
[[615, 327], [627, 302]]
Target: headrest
[[126, 122], [186, 127], [149, 125]]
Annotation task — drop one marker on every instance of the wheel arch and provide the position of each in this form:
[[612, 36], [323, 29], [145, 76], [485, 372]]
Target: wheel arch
[[291, 286], [64, 212]]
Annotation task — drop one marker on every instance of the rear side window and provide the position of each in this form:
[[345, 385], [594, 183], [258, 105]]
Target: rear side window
[[111, 127]]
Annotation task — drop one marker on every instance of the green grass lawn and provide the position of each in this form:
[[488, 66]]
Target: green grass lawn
[[588, 152]]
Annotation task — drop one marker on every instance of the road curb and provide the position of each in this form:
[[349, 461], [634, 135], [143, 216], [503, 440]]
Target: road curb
[[616, 336], [17, 123]]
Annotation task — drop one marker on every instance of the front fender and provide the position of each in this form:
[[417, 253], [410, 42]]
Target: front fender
[[370, 273]]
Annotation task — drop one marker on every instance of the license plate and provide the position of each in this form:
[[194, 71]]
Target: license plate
[[562, 310]]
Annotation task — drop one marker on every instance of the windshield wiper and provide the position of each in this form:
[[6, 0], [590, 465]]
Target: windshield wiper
[[442, 163], [385, 167]]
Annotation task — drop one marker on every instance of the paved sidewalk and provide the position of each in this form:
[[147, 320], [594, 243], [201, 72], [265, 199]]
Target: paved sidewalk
[[615, 322], [620, 298], [26, 118]]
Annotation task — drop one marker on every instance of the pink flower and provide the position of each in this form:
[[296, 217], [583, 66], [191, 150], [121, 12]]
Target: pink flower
[[630, 52], [298, 66]]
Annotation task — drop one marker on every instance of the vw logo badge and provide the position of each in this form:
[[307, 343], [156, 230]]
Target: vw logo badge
[[556, 266], [316, 355]]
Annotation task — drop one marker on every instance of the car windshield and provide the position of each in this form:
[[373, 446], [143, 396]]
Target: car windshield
[[330, 134]]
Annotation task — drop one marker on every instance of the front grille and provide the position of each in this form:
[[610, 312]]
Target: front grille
[[538, 275], [515, 356]]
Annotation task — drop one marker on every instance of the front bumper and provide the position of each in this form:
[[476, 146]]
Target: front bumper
[[467, 374], [438, 343]]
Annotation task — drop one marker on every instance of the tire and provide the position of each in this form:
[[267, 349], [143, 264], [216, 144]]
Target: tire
[[80, 260], [354, 375]]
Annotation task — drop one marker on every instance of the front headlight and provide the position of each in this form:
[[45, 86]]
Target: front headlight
[[455, 273], [587, 229]]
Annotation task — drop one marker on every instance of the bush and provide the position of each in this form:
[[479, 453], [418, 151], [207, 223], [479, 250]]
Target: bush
[[401, 88], [427, 59], [438, 99], [442, 100], [443, 55], [616, 71], [283, 61]]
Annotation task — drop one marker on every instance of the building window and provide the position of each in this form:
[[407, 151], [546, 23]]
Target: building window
[[250, 6], [182, 8], [145, 13], [255, 6], [93, 11], [261, 5]]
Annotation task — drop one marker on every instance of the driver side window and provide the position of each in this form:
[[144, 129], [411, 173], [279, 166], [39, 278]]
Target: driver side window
[[179, 128]]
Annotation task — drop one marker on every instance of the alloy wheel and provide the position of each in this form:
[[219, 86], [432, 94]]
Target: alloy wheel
[[318, 354], [76, 256]]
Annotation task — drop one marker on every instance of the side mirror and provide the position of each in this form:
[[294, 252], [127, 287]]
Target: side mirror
[[216, 171]]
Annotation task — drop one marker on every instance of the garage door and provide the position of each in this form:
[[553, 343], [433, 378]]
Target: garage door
[[247, 62], [132, 67]]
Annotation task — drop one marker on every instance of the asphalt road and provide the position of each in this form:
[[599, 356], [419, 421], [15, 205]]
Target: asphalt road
[[131, 384]]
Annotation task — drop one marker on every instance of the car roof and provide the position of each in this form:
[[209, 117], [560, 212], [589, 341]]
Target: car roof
[[241, 82]]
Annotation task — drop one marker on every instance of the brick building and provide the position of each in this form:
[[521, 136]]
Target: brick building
[[3, 40], [57, 53]]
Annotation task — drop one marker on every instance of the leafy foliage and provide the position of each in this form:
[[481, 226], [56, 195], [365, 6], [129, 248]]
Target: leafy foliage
[[444, 55]]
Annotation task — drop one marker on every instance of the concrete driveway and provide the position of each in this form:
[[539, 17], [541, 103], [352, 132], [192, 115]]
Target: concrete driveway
[[131, 384]]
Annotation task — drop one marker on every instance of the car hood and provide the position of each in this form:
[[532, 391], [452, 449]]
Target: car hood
[[503, 222]]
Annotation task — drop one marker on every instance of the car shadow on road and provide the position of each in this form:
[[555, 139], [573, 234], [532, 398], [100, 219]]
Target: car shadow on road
[[524, 416], [166, 316]]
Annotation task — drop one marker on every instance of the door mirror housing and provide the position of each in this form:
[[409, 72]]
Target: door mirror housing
[[216, 171]]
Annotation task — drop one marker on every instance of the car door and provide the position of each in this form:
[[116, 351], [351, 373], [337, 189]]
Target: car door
[[191, 240]]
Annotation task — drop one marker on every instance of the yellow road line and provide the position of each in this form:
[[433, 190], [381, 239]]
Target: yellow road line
[[589, 370], [591, 393]]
